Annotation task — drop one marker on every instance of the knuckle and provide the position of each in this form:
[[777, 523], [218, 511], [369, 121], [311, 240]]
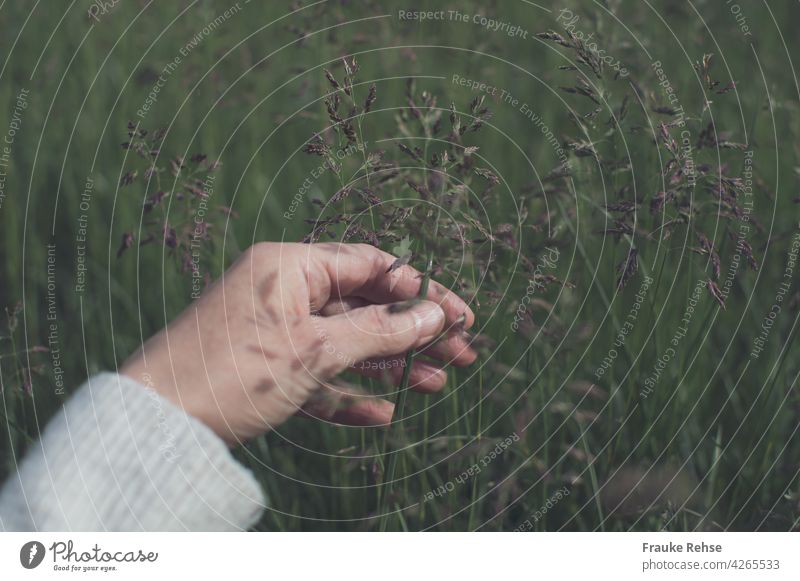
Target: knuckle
[[328, 245], [260, 250], [370, 253], [366, 248], [334, 250]]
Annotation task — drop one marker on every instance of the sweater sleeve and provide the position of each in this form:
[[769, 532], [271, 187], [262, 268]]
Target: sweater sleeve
[[119, 457]]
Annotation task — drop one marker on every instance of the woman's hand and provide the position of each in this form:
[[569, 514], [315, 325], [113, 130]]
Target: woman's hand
[[265, 339]]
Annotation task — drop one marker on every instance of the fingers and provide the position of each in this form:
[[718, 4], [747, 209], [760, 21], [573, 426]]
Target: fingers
[[453, 349], [365, 413], [381, 330], [342, 305], [348, 406], [341, 270], [425, 376], [405, 282]]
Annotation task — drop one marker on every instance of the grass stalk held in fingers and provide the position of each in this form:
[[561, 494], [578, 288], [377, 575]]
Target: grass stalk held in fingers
[[399, 410]]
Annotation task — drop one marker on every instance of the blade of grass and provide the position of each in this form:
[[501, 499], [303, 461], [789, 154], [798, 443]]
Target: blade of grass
[[399, 410]]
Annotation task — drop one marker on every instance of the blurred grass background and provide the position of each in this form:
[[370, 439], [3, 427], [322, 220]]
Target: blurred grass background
[[723, 453]]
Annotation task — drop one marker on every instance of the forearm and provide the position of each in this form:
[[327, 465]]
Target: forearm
[[120, 457]]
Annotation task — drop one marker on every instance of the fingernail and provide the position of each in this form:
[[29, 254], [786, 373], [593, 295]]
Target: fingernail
[[429, 320]]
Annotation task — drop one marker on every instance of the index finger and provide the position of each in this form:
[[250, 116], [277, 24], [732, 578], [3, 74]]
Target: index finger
[[363, 270]]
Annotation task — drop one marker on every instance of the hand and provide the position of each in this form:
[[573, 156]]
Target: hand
[[266, 339]]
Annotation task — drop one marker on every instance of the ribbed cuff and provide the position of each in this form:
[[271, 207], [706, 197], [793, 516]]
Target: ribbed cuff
[[120, 457]]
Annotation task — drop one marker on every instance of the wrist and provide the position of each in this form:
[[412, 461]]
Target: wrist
[[162, 382]]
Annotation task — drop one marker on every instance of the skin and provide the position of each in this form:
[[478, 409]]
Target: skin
[[264, 342]]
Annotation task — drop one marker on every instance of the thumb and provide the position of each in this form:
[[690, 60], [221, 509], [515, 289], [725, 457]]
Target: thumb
[[383, 330]]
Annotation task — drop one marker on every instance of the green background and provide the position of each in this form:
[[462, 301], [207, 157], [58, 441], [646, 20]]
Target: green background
[[249, 94]]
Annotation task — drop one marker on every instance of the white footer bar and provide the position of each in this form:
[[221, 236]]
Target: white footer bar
[[354, 556]]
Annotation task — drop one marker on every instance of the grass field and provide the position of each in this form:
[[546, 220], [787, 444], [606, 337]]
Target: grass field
[[627, 231]]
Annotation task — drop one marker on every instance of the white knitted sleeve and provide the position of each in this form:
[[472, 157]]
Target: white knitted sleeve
[[119, 457]]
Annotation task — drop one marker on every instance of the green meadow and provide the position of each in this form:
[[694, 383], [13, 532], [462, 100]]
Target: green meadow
[[629, 235]]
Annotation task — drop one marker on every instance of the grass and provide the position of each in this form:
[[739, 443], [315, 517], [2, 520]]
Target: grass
[[400, 406], [714, 445]]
